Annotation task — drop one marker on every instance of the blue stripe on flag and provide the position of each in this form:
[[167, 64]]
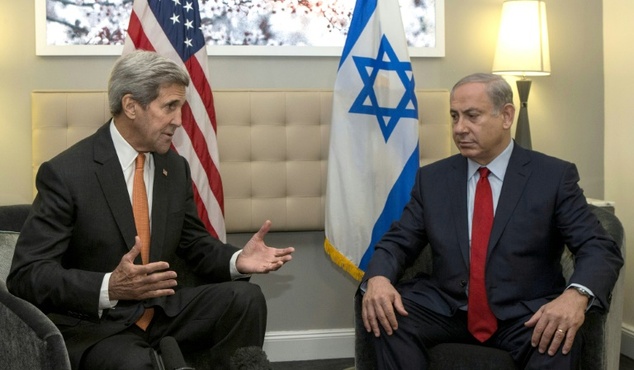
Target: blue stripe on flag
[[394, 205], [363, 11]]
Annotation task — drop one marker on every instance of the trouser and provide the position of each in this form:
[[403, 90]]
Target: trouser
[[424, 328], [222, 318]]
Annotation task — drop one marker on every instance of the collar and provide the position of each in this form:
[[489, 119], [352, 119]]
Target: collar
[[497, 166], [126, 153]]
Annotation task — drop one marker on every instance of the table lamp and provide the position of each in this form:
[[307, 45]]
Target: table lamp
[[522, 50]]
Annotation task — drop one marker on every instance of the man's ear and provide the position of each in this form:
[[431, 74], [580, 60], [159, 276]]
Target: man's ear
[[508, 113], [129, 106]]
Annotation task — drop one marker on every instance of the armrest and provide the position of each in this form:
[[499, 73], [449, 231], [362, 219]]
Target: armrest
[[29, 339]]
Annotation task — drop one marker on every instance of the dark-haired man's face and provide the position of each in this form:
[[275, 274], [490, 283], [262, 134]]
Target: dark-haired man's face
[[480, 133]]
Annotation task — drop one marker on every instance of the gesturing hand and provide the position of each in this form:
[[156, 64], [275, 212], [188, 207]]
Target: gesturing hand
[[258, 258], [138, 282]]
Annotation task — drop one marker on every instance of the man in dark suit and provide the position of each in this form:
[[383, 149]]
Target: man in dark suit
[[528, 309], [77, 257]]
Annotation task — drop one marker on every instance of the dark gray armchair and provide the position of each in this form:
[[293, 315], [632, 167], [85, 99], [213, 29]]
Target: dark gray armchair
[[601, 331], [28, 339]]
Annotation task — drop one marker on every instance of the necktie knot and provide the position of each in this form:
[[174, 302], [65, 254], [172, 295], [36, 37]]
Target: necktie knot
[[140, 161], [484, 172]]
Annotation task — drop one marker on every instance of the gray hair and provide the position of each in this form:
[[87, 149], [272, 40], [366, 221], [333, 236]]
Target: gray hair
[[499, 91], [142, 74]]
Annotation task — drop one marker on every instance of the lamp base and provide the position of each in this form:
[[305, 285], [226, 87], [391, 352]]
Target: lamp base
[[523, 130]]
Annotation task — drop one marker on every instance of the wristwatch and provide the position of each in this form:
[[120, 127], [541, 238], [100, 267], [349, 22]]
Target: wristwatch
[[583, 292]]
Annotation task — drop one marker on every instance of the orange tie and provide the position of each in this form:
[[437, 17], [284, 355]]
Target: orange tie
[[480, 319], [142, 223]]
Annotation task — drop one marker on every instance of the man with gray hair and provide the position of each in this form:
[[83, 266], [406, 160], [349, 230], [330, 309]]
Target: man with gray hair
[[496, 217], [113, 215]]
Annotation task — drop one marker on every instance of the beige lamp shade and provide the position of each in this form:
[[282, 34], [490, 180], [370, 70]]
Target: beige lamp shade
[[522, 47]]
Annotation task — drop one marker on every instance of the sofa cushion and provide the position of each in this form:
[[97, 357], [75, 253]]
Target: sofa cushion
[[7, 245]]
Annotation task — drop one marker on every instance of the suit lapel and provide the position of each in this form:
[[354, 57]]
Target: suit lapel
[[457, 180], [159, 206], [517, 174], [113, 184]]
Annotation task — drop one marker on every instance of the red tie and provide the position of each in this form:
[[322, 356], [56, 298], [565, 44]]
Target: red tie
[[140, 210], [481, 321]]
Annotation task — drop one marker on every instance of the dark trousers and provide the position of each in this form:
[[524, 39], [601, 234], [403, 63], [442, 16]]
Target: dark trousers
[[222, 318], [407, 347]]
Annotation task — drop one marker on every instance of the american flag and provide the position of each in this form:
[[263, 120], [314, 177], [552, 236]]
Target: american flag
[[172, 29]]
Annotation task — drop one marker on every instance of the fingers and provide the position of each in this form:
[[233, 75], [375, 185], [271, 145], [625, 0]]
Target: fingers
[[159, 285], [370, 321], [379, 314], [275, 264], [547, 334], [556, 323], [379, 303], [551, 339], [282, 252], [552, 335], [570, 339], [539, 329], [154, 267], [135, 284]]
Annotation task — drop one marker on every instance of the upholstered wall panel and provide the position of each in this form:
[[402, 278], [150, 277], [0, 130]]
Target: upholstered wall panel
[[273, 146]]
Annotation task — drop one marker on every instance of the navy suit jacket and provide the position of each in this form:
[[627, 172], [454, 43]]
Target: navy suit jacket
[[541, 208], [81, 224]]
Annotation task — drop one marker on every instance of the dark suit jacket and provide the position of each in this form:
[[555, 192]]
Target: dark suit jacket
[[80, 226], [540, 208]]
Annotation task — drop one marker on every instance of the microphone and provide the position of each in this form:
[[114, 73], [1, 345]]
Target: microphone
[[172, 356], [250, 358]]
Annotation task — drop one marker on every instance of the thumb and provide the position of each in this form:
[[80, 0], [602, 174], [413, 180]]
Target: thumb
[[533, 320], [264, 229], [134, 251]]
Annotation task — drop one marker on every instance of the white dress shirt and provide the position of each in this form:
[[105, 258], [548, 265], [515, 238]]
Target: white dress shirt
[[127, 157]]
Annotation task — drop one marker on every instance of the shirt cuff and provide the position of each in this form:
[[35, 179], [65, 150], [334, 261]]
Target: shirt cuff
[[104, 296], [233, 270]]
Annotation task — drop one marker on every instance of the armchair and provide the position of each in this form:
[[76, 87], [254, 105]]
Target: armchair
[[601, 331], [28, 339]]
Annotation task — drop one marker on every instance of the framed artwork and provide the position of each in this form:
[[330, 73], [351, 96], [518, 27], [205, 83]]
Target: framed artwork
[[233, 27]]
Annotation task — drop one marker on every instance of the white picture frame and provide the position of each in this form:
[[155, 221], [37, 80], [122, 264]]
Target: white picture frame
[[45, 48]]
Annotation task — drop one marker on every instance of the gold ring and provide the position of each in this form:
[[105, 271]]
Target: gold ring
[[560, 331]]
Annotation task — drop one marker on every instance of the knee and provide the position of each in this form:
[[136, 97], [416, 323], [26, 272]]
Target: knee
[[247, 297]]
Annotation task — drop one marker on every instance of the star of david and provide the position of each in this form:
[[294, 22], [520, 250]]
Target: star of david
[[367, 101]]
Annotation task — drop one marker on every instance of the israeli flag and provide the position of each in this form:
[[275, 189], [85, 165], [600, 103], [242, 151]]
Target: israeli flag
[[373, 155]]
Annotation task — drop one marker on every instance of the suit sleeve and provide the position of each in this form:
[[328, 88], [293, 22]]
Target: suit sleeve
[[403, 242], [37, 274], [598, 258], [204, 254]]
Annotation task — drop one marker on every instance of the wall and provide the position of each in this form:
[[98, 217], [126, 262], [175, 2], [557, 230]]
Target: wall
[[566, 113], [619, 131]]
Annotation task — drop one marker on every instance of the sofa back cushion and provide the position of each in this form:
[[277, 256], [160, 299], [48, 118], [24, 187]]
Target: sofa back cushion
[[273, 146]]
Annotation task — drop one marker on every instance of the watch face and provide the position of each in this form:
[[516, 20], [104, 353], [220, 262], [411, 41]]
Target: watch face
[[583, 292]]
